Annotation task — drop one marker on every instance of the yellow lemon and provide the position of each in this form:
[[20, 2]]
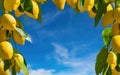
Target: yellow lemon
[[91, 14], [3, 35], [88, 4], [18, 38], [18, 59], [60, 4], [109, 7], [11, 4], [116, 43], [107, 18], [112, 60], [6, 50], [115, 72], [72, 3], [35, 11], [115, 29], [8, 22], [18, 13], [117, 14], [2, 72]]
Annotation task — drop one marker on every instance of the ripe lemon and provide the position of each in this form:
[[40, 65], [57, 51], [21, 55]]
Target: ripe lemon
[[115, 72], [18, 38], [88, 4], [112, 60], [35, 11], [116, 43], [8, 22], [109, 7], [6, 50], [91, 14], [72, 3], [18, 13], [11, 4], [115, 29], [18, 59], [107, 18], [2, 72], [117, 14], [60, 4], [3, 35]]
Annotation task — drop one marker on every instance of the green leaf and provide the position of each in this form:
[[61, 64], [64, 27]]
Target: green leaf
[[117, 3], [23, 67], [107, 70], [106, 35], [101, 60], [22, 33], [7, 64], [101, 6], [40, 14], [15, 51]]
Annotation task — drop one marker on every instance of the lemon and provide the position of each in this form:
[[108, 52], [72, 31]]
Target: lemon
[[115, 29], [35, 11], [18, 59], [3, 35], [72, 3], [88, 5], [18, 38], [107, 18], [115, 72], [18, 13], [6, 50], [11, 4], [2, 72], [112, 60], [117, 14], [116, 43], [91, 14], [60, 4], [8, 22], [109, 7]]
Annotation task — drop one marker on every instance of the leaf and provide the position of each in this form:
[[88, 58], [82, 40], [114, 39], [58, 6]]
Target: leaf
[[101, 6], [23, 67], [117, 3], [7, 64], [106, 36], [107, 70], [22, 33], [40, 14], [101, 60]]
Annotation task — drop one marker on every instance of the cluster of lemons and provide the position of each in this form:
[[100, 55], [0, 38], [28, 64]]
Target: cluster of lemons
[[88, 5], [8, 31]]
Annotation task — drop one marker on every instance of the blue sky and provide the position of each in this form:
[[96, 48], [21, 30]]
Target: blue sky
[[64, 44]]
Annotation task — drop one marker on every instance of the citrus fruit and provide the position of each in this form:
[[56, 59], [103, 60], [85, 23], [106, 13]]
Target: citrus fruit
[[35, 11], [18, 38], [18, 13], [60, 3], [6, 50], [3, 35], [115, 29], [112, 59], [11, 4], [116, 43], [8, 22], [2, 72], [72, 3]]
